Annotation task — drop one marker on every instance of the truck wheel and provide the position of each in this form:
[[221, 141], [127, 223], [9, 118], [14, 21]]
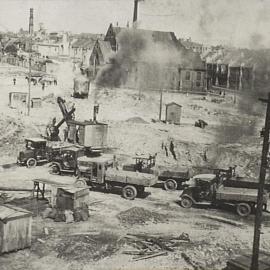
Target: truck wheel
[[31, 163], [129, 192], [55, 169], [80, 183], [170, 184], [243, 209], [186, 202]]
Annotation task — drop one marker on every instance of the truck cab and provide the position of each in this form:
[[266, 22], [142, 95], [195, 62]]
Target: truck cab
[[142, 164], [94, 168], [36, 151], [65, 161]]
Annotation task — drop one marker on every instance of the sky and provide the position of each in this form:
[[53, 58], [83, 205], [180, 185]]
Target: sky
[[241, 23]]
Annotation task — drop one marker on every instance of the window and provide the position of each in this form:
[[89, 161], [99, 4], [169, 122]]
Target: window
[[198, 84], [199, 76], [187, 75]]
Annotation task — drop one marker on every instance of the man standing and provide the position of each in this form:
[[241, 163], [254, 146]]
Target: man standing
[[14, 81]]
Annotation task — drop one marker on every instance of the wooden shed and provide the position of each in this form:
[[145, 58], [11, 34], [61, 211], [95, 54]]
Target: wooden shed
[[70, 198], [17, 99], [173, 113], [15, 228]]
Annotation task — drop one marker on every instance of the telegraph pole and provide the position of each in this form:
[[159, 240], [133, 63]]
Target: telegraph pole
[[31, 26], [160, 103], [258, 217]]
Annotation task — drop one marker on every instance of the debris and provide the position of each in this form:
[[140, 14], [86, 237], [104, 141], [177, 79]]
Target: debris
[[87, 247], [224, 220], [191, 262], [150, 256], [41, 241], [46, 231], [139, 215], [149, 246], [69, 216], [201, 124]]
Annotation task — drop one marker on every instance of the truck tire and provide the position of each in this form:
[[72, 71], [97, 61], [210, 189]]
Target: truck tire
[[31, 163], [243, 209], [170, 184], [129, 192], [186, 202], [55, 169]]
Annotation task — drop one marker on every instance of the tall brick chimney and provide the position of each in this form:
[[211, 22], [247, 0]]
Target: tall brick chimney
[[31, 22], [135, 12]]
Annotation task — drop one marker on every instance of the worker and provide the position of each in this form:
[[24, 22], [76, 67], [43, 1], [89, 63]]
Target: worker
[[14, 81], [65, 131], [43, 86], [172, 150]]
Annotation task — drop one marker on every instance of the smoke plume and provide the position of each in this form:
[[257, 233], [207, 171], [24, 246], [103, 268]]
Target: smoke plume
[[131, 44]]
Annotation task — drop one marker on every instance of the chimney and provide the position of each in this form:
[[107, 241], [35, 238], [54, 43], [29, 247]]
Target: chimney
[[31, 22], [135, 12]]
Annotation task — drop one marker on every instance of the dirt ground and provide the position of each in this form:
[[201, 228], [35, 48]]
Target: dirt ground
[[231, 138]]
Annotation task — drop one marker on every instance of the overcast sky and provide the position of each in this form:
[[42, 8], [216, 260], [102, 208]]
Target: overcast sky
[[244, 23]]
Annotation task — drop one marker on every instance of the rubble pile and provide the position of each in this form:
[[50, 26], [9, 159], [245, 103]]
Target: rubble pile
[[206, 255], [139, 215], [87, 247], [145, 246]]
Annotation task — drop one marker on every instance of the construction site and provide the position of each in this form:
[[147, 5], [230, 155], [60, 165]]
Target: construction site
[[96, 174]]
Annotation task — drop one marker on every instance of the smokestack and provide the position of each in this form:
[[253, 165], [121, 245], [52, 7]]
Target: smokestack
[[31, 22], [135, 12]]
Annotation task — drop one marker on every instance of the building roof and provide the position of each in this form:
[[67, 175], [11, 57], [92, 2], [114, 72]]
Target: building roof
[[173, 103], [185, 58], [84, 43], [12, 212], [36, 139], [105, 48], [189, 44]]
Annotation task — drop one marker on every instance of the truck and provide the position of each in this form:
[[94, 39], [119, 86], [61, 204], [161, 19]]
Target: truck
[[171, 179], [103, 171], [209, 188], [39, 151], [36, 151], [65, 161]]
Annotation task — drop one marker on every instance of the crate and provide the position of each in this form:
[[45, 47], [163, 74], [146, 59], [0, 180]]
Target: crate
[[15, 228], [70, 198]]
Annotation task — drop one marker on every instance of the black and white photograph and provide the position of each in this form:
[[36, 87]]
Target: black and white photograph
[[134, 134]]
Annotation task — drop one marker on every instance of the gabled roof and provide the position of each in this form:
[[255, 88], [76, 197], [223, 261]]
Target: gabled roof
[[84, 43], [105, 48], [173, 103]]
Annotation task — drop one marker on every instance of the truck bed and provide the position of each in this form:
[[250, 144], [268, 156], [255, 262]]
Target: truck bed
[[176, 175], [129, 177], [236, 194]]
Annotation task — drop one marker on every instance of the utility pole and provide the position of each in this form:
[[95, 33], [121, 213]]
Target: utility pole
[[258, 217], [31, 26], [160, 103]]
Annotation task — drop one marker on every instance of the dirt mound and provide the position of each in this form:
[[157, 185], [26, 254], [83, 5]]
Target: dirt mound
[[139, 215], [88, 247], [136, 120]]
